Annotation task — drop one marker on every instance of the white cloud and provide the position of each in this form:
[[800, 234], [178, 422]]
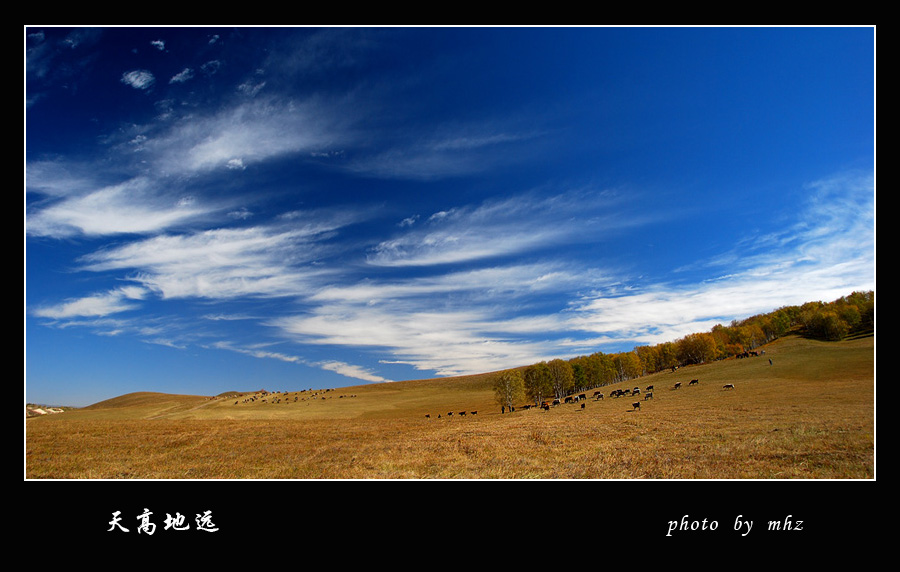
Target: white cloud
[[98, 305], [130, 207], [218, 264], [470, 287], [454, 323], [241, 135], [240, 214], [446, 342], [138, 79], [184, 75], [520, 224], [339, 367], [352, 371], [450, 152]]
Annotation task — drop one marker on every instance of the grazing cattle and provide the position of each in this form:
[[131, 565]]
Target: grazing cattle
[[635, 391], [677, 385], [427, 416], [648, 395], [462, 412], [582, 396], [728, 386], [556, 402], [694, 382], [545, 407], [636, 405], [649, 388], [582, 405], [569, 399], [598, 395], [474, 413]]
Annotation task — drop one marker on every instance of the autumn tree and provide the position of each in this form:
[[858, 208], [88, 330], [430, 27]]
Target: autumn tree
[[668, 355], [537, 382], [696, 348], [562, 379], [628, 366], [509, 388], [649, 357]]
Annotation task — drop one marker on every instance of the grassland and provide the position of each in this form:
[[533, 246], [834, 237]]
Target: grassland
[[808, 415]]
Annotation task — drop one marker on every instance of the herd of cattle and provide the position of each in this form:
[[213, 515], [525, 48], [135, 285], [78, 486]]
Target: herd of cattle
[[264, 396], [596, 396], [305, 395]]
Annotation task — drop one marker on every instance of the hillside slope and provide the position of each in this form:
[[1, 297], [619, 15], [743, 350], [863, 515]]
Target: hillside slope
[[793, 359]]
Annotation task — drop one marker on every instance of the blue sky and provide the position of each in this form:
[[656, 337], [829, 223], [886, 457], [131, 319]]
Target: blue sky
[[214, 209]]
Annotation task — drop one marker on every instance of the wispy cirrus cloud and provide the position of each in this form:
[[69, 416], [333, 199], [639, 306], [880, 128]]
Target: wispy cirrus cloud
[[96, 305], [451, 323], [339, 367], [222, 263], [524, 223], [448, 342], [249, 132], [420, 156], [131, 207]]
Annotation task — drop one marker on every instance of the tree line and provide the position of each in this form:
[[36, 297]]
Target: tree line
[[831, 321]]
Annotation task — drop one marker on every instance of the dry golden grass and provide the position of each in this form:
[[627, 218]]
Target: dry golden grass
[[810, 415]]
